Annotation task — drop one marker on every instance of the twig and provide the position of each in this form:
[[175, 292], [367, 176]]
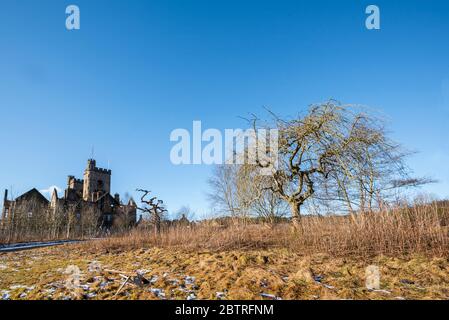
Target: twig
[[124, 274], [121, 287]]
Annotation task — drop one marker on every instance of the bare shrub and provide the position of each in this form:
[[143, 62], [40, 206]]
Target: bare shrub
[[31, 221], [418, 229]]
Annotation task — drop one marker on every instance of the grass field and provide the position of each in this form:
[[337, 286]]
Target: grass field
[[71, 272], [326, 259]]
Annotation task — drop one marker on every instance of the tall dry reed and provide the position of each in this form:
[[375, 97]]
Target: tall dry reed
[[421, 229]]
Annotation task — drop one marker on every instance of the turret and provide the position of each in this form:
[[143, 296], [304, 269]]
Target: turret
[[95, 180], [54, 198], [132, 203], [91, 164]]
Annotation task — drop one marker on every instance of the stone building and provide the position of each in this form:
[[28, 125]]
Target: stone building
[[90, 194]]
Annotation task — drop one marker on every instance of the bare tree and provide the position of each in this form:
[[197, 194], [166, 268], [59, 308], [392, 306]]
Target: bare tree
[[89, 221], [155, 209], [34, 220], [223, 184], [270, 206], [333, 153], [239, 190]]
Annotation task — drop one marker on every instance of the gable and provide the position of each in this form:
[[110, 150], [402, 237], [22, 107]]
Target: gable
[[107, 199], [31, 195]]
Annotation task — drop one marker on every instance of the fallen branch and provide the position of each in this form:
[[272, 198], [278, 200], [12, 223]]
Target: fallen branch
[[123, 274], [121, 287]]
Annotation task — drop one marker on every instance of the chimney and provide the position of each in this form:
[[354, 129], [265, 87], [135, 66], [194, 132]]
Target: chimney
[[117, 197], [6, 196]]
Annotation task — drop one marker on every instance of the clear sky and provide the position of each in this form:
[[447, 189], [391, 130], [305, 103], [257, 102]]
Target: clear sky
[[136, 70]]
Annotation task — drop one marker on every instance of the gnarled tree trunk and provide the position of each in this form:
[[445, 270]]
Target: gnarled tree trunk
[[295, 208]]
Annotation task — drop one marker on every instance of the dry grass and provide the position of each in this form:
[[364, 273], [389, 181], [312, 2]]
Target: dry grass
[[413, 230], [246, 261], [237, 274]]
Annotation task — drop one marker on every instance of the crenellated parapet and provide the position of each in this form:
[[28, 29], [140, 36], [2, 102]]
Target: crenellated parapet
[[72, 179], [101, 170], [92, 166]]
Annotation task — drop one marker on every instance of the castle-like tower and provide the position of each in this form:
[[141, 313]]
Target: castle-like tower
[[97, 181]]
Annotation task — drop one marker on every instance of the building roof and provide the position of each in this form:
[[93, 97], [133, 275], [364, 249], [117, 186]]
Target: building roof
[[33, 193], [110, 197], [131, 202]]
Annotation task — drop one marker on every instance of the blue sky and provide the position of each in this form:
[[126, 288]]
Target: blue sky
[[139, 69]]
